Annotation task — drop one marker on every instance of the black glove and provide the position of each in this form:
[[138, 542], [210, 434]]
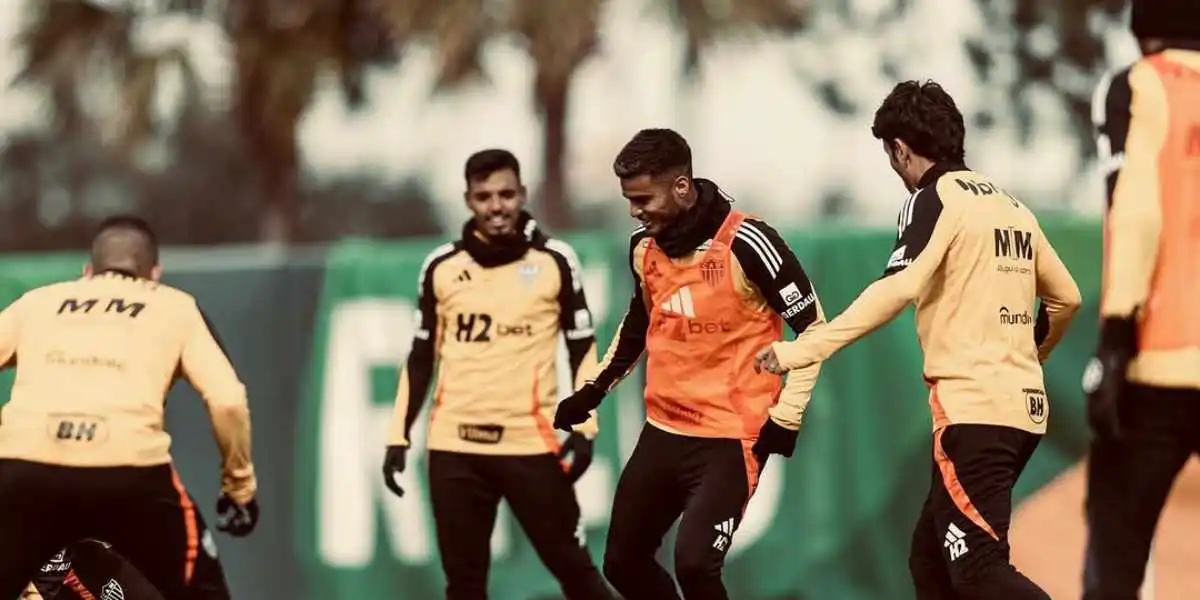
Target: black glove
[[1104, 380], [394, 463], [774, 439], [575, 408], [236, 519], [1041, 325], [580, 448]]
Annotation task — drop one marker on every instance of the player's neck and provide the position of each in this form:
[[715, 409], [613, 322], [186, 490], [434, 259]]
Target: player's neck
[[696, 225], [497, 251], [924, 172]]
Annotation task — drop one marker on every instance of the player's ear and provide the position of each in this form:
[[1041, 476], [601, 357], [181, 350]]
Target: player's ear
[[87, 269], [156, 273], [899, 150], [682, 186]]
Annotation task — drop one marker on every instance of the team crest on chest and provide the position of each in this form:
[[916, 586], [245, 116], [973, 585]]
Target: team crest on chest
[[528, 273], [712, 270]]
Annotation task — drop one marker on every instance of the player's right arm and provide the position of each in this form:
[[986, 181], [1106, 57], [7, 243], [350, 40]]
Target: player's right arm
[[1059, 293], [417, 373], [629, 343], [1111, 116], [1134, 218], [928, 226], [206, 366]]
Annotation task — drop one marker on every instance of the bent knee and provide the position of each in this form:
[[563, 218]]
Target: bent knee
[[998, 581], [698, 568]]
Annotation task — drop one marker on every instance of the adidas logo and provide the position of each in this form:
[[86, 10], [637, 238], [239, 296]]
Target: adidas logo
[[464, 276], [680, 303], [724, 535], [956, 542]]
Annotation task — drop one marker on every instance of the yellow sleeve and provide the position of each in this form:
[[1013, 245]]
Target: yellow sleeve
[[876, 305], [208, 369], [1059, 293], [1134, 221], [797, 388]]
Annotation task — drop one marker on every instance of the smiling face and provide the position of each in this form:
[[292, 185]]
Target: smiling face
[[496, 202], [657, 201]]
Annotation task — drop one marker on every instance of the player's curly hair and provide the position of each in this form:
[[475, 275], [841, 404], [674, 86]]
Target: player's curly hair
[[653, 152], [925, 117], [485, 162]]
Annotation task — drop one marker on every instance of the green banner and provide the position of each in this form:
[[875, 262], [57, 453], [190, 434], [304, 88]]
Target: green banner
[[833, 522]]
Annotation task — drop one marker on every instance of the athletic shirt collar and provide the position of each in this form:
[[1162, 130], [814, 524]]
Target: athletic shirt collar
[[496, 252], [696, 225], [937, 170]]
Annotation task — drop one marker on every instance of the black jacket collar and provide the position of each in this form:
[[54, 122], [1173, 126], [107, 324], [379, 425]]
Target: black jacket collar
[[496, 252], [696, 225], [937, 170]]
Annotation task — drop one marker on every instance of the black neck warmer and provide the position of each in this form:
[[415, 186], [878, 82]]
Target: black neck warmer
[[494, 252], [697, 224]]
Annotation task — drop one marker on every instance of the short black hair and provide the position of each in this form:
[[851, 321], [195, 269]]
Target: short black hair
[[1176, 22], [125, 242], [925, 117], [653, 152], [485, 162]]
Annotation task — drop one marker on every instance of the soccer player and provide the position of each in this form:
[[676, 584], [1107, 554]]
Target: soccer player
[[89, 568], [1143, 385], [711, 286], [492, 307], [92, 569], [973, 259], [83, 452]]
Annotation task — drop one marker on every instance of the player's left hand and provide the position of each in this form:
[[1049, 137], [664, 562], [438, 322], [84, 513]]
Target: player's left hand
[[774, 438], [580, 449], [766, 360], [1104, 381], [236, 519], [577, 407]]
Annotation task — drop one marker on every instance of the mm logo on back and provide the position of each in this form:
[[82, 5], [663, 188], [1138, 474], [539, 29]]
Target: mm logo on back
[[1013, 243], [118, 306]]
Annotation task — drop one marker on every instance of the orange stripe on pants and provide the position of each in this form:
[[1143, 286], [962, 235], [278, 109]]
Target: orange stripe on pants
[[190, 526], [544, 426], [72, 581], [957, 493], [753, 471]]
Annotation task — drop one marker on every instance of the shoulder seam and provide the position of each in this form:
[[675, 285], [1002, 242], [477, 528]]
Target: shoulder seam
[[567, 252], [435, 257], [758, 242], [1104, 89]]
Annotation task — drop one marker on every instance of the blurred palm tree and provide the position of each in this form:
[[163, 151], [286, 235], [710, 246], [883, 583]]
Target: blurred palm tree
[[560, 37], [705, 23], [100, 82], [281, 49]]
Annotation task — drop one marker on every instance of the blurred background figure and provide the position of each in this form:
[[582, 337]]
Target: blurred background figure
[[1143, 386]]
